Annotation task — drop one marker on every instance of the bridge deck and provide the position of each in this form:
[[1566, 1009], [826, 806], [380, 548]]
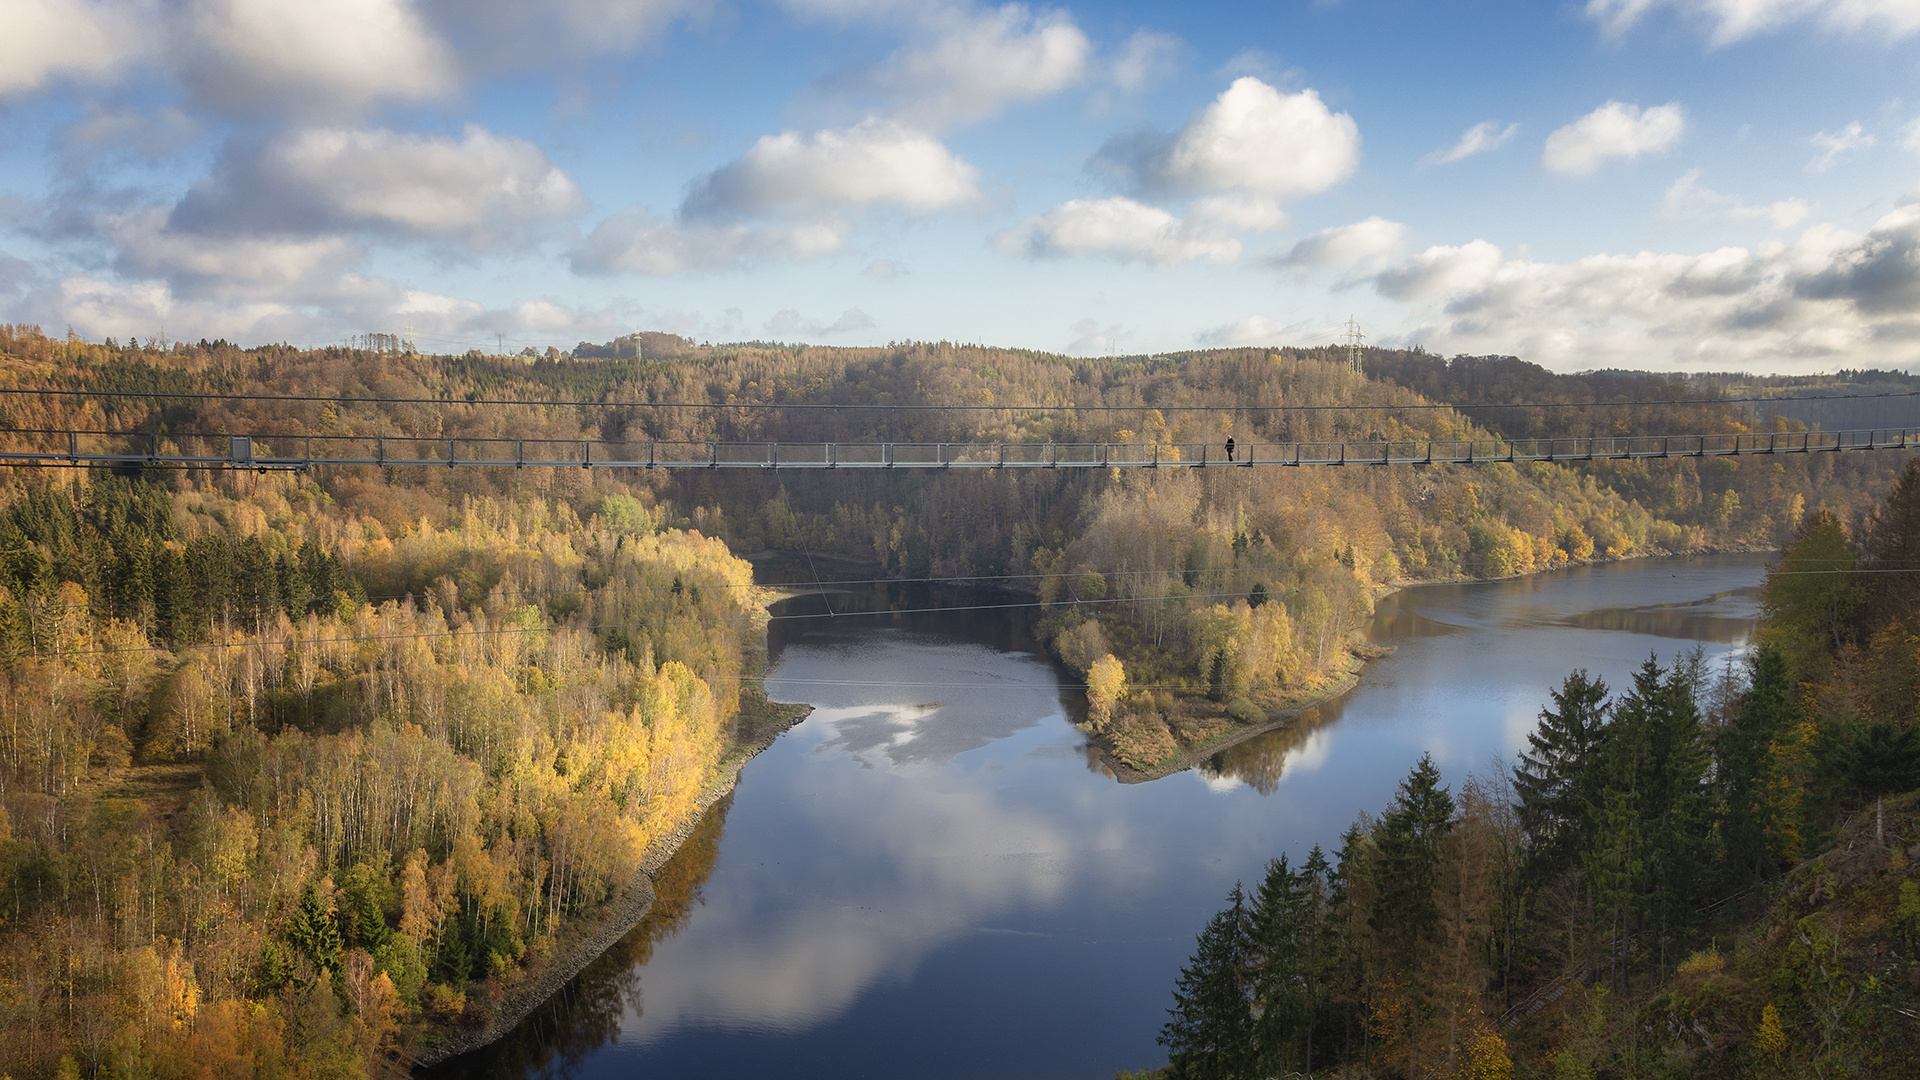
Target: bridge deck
[[270, 452]]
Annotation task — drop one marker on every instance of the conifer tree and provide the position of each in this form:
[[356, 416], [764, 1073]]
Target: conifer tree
[[1658, 762], [1615, 869], [1289, 954], [1890, 541], [130, 583], [1878, 759], [1279, 938], [1808, 604], [1210, 1035], [1409, 841], [1316, 878], [1745, 767], [171, 594], [1558, 777]]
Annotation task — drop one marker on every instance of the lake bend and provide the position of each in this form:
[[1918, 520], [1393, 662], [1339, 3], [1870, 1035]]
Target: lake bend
[[933, 876]]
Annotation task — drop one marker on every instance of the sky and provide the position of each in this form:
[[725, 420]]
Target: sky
[[1669, 185]]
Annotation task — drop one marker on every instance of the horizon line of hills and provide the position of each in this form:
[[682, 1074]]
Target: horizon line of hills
[[1463, 380]]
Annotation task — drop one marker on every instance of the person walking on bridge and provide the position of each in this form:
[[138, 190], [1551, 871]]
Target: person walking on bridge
[[1229, 448]]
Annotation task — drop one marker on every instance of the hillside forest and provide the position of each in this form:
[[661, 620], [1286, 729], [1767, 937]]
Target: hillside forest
[[1700, 874], [302, 772]]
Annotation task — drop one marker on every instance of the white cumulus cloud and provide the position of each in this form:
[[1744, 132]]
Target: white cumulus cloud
[[1614, 130], [1119, 228], [1252, 138], [317, 54], [230, 266], [876, 163], [1815, 302], [786, 199], [1478, 139], [44, 40], [1729, 21], [514, 31], [1094, 338], [480, 189], [1356, 245], [1440, 269], [969, 64], [789, 323], [1234, 210], [1233, 163]]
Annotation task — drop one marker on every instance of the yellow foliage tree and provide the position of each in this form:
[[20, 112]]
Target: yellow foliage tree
[[1486, 1059], [1106, 681]]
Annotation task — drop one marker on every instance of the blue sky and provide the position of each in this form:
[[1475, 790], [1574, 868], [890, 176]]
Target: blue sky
[[1662, 184]]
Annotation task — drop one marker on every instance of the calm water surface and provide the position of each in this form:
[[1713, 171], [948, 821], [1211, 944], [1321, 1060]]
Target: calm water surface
[[931, 877]]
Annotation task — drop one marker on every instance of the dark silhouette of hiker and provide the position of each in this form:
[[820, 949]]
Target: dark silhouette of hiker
[[1229, 448]]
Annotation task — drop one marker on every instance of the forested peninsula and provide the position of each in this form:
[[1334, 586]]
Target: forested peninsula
[[309, 773]]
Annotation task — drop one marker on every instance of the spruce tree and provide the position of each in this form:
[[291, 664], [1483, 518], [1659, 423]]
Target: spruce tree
[[1210, 1035], [1279, 939], [1890, 542], [131, 585], [1558, 778], [295, 593], [1877, 760], [1657, 766], [1614, 865], [1809, 601], [1745, 767], [171, 595], [1409, 838], [1319, 944]]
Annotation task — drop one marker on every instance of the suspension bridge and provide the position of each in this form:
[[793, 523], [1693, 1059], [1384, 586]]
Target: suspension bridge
[[255, 452]]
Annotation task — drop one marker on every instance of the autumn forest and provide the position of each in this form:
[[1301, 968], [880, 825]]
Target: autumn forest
[[311, 773]]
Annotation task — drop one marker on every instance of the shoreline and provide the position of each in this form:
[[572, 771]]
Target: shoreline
[[594, 935], [1194, 755], [1360, 653], [757, 725]]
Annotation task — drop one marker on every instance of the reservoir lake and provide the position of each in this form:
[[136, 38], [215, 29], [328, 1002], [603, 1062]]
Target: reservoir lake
[[932, 876]]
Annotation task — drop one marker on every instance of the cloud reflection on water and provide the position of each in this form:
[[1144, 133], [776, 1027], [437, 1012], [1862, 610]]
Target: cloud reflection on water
[[929, 855], [925, 855]]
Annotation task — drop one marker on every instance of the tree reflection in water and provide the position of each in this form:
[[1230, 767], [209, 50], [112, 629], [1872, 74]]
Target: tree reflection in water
[[587, 1012], [1695, 620], [1262, 760]]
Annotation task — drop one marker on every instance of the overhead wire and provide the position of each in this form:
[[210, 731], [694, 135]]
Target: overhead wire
[[764, 617], [644, 623], [819, 585], [823, 585], [804, 406]]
